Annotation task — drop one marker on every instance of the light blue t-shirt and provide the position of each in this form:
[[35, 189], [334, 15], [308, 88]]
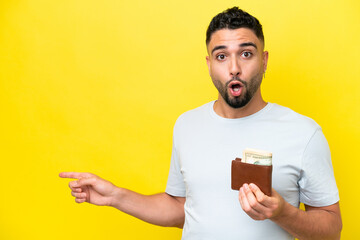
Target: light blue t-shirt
[[204, 144]]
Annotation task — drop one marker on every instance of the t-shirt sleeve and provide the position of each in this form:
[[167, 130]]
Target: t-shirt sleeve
[[175, 184], [317, 182]]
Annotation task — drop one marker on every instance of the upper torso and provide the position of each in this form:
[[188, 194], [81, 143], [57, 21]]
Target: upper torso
[[204, 146]]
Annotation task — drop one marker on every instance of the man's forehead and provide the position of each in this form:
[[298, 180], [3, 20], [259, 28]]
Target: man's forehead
[[233, 36]]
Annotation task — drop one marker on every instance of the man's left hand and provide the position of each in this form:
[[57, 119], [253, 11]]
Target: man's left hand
[[258, 205]]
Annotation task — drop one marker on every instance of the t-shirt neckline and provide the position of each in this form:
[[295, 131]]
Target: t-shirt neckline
[[252, 116]]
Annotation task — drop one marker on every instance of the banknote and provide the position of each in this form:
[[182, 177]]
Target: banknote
[[255, 156]]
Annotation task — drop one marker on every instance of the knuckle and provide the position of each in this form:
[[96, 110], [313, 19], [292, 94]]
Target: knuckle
[[256, 217], [260, 198], [72, 184], [261, 218], [77, 195], [275, 206], [243, 207], [247, 209], [79, 200], [268, 215], [253, 204]]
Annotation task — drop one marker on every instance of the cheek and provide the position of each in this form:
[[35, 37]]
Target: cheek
[[251, 70], [217, 72]]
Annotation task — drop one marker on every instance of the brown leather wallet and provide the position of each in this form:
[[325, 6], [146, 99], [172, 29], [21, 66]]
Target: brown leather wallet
[[242, 173]]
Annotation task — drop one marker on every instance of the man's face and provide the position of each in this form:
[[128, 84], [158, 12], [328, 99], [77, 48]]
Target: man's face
[[236, 64]]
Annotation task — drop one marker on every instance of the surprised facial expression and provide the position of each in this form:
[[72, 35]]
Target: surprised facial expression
[[236, 64]]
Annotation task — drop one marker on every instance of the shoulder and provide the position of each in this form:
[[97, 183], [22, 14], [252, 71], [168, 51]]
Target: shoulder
[[285, 115], [194, 115], [284, 119]]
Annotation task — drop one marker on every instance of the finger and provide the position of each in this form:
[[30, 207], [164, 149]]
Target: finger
[[74, 185], [240, 197], [78, 195], [253, 202], [249, 194], [243, 200], [77, 189], [84, 182], [75, 175], [260, 196], [245, 205], [80, 200]]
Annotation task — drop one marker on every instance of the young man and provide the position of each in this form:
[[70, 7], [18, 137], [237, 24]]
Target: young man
[[198, 196]]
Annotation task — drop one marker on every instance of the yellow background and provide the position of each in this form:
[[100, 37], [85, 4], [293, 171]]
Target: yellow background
[[96, 86]]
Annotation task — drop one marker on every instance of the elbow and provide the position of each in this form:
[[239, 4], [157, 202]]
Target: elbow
[[335, 226], [335, 230], [339, 227], [178, 223]]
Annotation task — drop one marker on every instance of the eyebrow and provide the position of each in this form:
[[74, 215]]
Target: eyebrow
[[218, 47], [245, 44]]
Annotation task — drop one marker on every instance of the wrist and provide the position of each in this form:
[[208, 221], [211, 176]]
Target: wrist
[[285, 211], [281, 208], [116, 197]]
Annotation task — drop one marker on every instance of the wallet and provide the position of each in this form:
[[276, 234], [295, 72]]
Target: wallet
[[248, 173]]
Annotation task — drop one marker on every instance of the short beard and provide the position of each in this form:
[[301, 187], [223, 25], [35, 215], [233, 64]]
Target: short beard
[[238, 102]]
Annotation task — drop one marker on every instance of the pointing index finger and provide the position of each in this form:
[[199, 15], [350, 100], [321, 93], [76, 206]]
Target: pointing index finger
[[76, 175]]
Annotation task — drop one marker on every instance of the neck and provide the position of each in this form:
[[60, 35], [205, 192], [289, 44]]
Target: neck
[[224, 110]]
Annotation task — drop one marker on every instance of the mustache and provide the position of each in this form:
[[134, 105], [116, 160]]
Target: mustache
[[236, 78]]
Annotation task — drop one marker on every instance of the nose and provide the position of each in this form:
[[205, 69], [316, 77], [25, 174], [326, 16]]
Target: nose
[[235, 69]]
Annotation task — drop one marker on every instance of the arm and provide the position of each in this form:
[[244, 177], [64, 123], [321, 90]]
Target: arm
[[314, 223], [159, 209]]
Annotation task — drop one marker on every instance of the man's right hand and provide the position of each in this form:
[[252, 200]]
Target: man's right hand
[[90, 188], [160, 209]]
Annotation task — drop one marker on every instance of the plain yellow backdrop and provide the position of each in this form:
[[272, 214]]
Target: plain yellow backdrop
[[96, 86]]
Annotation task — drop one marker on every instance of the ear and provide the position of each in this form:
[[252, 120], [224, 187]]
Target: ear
[[208, 63], [265, 60]]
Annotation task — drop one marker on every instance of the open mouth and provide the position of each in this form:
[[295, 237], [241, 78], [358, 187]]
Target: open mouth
[[235, 88]]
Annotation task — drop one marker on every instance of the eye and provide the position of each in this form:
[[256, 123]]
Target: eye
[[221, 57], [246, 54]]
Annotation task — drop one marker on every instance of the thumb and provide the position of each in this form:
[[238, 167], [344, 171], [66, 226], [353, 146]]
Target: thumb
[[260, 196], [85, 182]]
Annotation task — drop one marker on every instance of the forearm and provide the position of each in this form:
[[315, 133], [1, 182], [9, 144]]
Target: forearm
[[159, 209], [312, 224]]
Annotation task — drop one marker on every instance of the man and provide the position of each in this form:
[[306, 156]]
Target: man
[[198, 196]]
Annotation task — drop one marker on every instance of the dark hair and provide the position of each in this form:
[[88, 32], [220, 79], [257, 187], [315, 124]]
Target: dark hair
[[234, 18]]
